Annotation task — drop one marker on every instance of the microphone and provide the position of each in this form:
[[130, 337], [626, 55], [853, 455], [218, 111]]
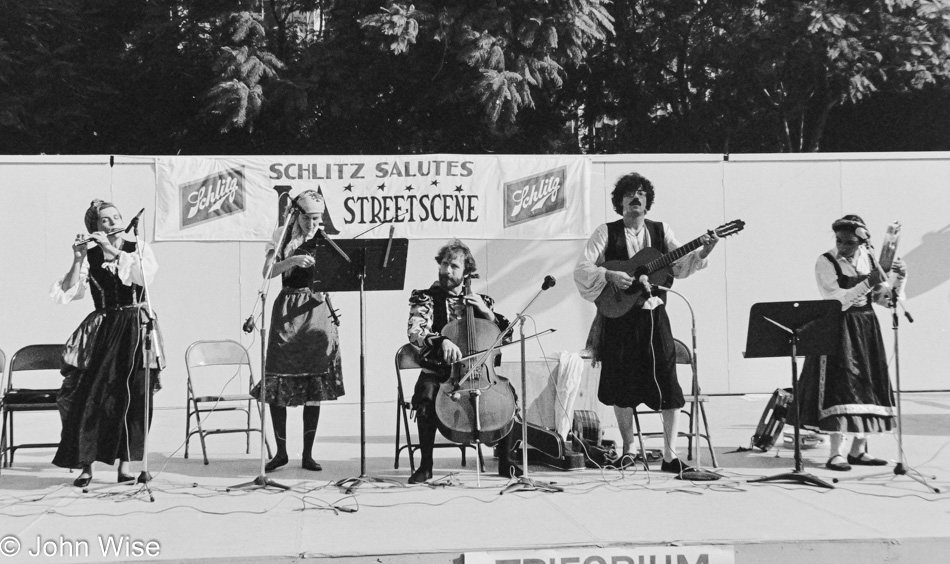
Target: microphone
[[389, 245], [135, 221], [249, 324], [549, 281]]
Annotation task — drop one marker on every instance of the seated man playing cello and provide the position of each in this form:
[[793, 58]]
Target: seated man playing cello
[[430, 311]]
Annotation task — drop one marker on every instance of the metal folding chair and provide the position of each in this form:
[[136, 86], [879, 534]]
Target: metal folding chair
[[406, 359], [230, 391], [696, 408], [35, 361]]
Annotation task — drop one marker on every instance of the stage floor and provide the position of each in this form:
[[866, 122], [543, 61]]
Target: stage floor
[[192, 514]]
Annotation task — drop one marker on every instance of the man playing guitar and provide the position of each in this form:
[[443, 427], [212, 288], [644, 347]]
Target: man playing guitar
[[636, 348]]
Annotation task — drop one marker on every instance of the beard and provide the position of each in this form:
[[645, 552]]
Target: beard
[[448, 282]]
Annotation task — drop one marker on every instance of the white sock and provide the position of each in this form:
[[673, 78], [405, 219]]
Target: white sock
[[837, 445]]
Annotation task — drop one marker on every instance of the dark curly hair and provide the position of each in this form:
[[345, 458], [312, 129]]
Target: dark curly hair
[[457, 247], [629, 184]]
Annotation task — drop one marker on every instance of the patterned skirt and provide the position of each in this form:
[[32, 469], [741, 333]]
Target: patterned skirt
[[303, 352]]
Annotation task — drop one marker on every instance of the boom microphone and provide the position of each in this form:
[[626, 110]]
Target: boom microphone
[[249, 324], [135, 221], [549, 281]]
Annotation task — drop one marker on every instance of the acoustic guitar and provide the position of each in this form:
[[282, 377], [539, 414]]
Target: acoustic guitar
[[613, 302]]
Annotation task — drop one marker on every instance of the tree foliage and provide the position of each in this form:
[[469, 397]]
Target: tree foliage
[[754, 75], [50, 80], [472, 76], [515, 46], [238, 96]]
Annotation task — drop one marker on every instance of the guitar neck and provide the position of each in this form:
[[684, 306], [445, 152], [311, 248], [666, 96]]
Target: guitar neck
[[673, 256]]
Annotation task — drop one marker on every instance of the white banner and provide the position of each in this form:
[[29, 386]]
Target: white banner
[[708, 554], [422, 196]]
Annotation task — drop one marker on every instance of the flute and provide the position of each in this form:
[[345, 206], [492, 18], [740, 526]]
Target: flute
[[92, 239]]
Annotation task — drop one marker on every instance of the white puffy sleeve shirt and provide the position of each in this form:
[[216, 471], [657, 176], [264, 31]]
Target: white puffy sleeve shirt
[[861, 266], [590, 278], [128, 267]]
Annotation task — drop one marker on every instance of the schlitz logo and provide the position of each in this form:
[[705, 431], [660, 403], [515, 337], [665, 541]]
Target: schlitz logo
[[214, 196], [535, 196]]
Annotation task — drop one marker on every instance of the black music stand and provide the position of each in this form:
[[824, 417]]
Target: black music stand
[[361, 265], [791, 329]]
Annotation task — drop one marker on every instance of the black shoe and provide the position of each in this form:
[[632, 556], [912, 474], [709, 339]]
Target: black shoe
[[123, 478], [420, 476], [866, 460], [82, 481], [311, 464], [837, 466], [675, 466], [276, 463]]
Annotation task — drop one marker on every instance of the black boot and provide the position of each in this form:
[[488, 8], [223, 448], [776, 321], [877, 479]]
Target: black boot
[[311, 416], [278, 417], [427, 431]]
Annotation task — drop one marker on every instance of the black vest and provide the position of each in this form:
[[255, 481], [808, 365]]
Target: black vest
[[617, 242], [108, 291], [846, 282]]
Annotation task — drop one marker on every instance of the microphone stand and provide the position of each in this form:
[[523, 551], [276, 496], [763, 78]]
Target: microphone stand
[[902, 469], [262, 481], [525, 483], [147, 326], [697, 409]]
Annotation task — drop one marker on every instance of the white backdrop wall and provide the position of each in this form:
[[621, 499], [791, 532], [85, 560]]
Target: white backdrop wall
[[207, 290]]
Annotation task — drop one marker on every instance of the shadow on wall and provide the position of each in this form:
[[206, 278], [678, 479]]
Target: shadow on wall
[[529, 272], [927, 263]]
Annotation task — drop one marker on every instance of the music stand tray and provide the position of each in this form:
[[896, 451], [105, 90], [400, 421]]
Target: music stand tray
[[358, 265], [800, 328]]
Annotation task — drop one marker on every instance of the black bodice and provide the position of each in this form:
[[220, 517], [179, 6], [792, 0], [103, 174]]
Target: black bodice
[[108, 291], [845, 282], [298, 278]]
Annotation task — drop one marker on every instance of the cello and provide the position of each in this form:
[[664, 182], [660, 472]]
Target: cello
[[475, 405]]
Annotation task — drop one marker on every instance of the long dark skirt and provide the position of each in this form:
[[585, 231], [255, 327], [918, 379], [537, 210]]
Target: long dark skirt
[[638, 359], [102, 399], [850, 392], [303, 351]]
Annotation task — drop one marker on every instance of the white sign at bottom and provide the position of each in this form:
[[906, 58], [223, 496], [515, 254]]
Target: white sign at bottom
[[621, 555]]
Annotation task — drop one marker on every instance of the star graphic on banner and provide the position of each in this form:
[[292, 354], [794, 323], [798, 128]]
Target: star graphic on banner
[[348, 188], [409, 188], [381, 186], [434, 183], [458, 188]]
